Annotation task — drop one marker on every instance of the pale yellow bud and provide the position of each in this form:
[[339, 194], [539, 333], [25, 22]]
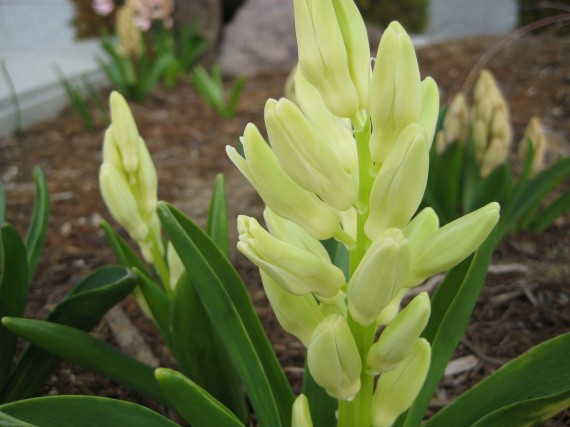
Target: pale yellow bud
[[399, 186], [175, 265], [278, 190], [334, 53], [392, 309], [130, 37], [425, 223], [455, 123], [452, 243], [333, 358], [297, 314], [534, 135], [146, 180], [125, 132], [399, 337], [396, 390], [121, 202], [301, 412], [495, 155], [379, 277], [430, 108], [397, 95], [307, 156], [296, 270]]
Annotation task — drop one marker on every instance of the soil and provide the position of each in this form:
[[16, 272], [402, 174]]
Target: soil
[[525, 301]]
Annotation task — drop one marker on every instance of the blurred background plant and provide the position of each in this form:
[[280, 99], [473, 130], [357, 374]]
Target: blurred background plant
[[211, 88], [146, 48], [533, 11], [473, 162]]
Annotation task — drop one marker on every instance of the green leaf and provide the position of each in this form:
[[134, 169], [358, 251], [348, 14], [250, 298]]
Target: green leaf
[[537, 382], [84, 411], [89, 352], [195, 404], [8, 421], [82, 308], [217, 227], [236, 90], [2, 203], [549, 214], [159, 305], [200, 352], [228, 305], [37, 231], [495, 187], [323, 407], [452, 305], [13, 291]]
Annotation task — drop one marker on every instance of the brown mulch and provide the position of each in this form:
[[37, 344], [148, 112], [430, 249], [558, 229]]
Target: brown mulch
[[516, 310]]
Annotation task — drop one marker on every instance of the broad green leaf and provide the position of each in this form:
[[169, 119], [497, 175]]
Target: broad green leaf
[[452, 305], [228, 305], [13, 291], [82, 308], [8, 421], [217, 227], [194, 403], [555, 210], [158, 303], [541, 373], [84, 411], [89, 352], [528, 413], [37, 230], [199, 350]]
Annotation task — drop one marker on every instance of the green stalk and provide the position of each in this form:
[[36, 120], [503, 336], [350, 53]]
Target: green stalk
[[357, 411]]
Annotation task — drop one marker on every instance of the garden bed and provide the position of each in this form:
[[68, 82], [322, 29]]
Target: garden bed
[[525, 301]]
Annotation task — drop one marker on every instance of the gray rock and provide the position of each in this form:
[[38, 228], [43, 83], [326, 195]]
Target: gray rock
[[260, 39]]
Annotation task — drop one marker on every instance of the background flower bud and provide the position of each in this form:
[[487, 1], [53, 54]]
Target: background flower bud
[[396, 390], [333, 358], [379, 277], [534, 134], [398, 338]]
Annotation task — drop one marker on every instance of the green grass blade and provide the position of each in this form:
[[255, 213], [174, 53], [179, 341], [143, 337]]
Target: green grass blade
[[228, 305], [542, 372], [451, 309], [217, 227], [37, 230], [89, 352], [82, 308], [84, 411], [555, 210], [233, 99], [197, 407], [13, 292]]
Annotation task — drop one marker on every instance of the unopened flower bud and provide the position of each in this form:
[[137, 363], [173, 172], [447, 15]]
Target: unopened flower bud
[[146, 180], [125, 132], [455, 123], [297, 314], [301, 412], [536, 137], [396, 390], [334, 53], [398, 338], [495, 155], [278, 190], [400, 99], [307, 156], [121, 202], [421, 226], [399, 186], [296, 270], [379, 277], [452, 243], [333, 358]]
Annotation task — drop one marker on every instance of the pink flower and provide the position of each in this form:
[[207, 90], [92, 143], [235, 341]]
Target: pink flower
[[103, 7], [148, 10]]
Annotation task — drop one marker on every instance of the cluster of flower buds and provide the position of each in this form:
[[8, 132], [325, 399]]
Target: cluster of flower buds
[[128, 180], [349, 161], [141, 12], [491, 124]]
